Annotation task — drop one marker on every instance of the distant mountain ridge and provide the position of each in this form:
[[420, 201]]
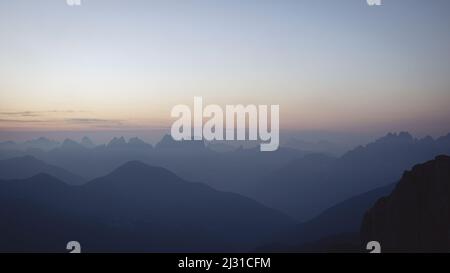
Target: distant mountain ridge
[[230, 171], [298, 183], [309, 185], [41, 143], [87, 142]]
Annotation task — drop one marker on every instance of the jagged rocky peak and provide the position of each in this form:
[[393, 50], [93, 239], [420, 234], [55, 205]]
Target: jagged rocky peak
[[395, 138], [87, 142], [69, 143], [117, 142]]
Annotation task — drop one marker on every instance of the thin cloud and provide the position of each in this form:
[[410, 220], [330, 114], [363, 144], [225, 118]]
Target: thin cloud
[[37, 113], [94, 121], [23, 120], [20, 114]]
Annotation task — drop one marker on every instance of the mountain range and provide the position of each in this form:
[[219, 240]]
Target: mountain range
[[27, 166], [134, 199], [308, 185], [192, 160], [135, 208]]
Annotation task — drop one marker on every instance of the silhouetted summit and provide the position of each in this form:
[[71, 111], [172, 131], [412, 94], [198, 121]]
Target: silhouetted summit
[[136, 173], [87, 142], [133, 143], [416, 216], [71, 145], [138, 143], [117, 143]]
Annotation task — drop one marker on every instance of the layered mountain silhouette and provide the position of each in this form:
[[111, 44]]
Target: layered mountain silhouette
[[9, 149], [416, 216], [41, 143], [132, 206], [27, 166], [136, 208], [87, 142], [311, 184], [335, 229], [231, 171]]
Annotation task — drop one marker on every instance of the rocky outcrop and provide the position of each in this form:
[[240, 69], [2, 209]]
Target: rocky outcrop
[[416, 216]]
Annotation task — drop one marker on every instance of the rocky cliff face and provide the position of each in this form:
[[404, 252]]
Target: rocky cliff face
[[416, 216]]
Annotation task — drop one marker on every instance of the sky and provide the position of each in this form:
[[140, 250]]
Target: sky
[[120, 66]]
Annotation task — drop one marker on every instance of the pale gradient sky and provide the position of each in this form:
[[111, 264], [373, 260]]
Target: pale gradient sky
[[122, 65]]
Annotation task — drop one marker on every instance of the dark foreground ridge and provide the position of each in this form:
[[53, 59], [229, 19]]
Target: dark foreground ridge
[[416, 216]]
